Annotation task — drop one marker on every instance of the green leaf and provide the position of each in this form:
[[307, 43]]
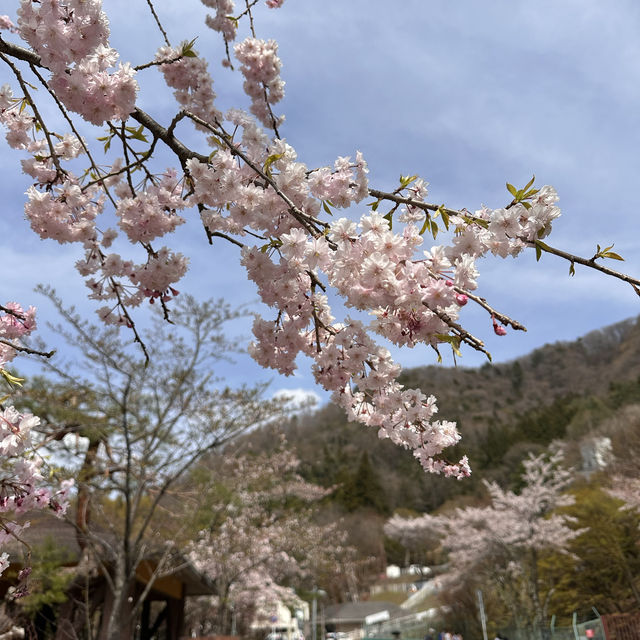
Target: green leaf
[[270, 160], [529, 183], [136, 134], [187, 49], [434, 229], [11, 379], [405, 181], [426, 225], [612, 255], [511, 189], [540, 247], [572, 269], [325, 206], [454, 341], [445, 216]]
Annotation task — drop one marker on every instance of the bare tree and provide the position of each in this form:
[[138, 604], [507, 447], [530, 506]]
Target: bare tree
[[128, 428]]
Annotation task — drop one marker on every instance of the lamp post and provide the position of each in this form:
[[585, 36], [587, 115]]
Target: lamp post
[[314, 611]]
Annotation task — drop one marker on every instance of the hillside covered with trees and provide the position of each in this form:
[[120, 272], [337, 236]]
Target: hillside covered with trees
[[563, 391]]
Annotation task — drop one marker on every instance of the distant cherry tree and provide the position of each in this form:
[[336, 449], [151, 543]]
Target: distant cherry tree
[[261, 538], [502, 544]]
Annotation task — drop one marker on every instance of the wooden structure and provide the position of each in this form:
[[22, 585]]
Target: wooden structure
[[621, 626], [90, 600]]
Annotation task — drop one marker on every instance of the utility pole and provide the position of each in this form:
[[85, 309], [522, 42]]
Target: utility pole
[[483, 617]]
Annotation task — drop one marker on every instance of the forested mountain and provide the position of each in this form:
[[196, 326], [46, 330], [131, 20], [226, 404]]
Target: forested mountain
[[566, 390]]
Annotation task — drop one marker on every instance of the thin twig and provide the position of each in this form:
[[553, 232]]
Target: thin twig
[[591, 263], [182, 152], [23, 349], [219, 234], [504, 319], [157, 63], [463, 334], [155, 16], [11, 312], [425, 206]]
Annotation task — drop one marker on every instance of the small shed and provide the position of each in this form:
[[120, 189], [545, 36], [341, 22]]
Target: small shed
[[89, 598]]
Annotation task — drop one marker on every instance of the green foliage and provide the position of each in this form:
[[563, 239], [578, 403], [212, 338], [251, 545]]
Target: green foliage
[[362, 489], [604, 570], [623, 392], [48, 581]]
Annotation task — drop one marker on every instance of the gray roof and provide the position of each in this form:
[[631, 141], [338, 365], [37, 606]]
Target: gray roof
[[358, 611], [46, 526]]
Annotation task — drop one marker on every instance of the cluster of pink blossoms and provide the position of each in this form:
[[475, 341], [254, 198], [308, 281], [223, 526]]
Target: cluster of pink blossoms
[[71, 40], [15, 323], [7, 25], [21, 487], [223, 22], [192, 82], [262, 82], [252, 186], [66, 211]]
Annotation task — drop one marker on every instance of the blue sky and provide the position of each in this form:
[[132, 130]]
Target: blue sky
[[468, 95]]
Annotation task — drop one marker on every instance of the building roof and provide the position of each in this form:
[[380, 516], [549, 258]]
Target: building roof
[[358, 611], [44, 527]]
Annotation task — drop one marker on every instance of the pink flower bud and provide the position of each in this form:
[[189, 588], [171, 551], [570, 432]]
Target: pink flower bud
[[498, 329], [461, 299]]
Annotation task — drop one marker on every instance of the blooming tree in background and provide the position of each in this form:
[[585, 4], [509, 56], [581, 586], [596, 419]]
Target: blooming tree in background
[[260, 539], [249, 188], [22, 486], [504, 542]]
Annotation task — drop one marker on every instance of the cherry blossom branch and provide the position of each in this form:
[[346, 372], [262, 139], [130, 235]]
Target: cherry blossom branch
[[590, 262], [304, 219], [28, 350], [167, 136], [425, 206], [504, 319], [16, 51], [466, 337], [73, 128], [12, 312], [54, 156], [157, 63], [538, 244]]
